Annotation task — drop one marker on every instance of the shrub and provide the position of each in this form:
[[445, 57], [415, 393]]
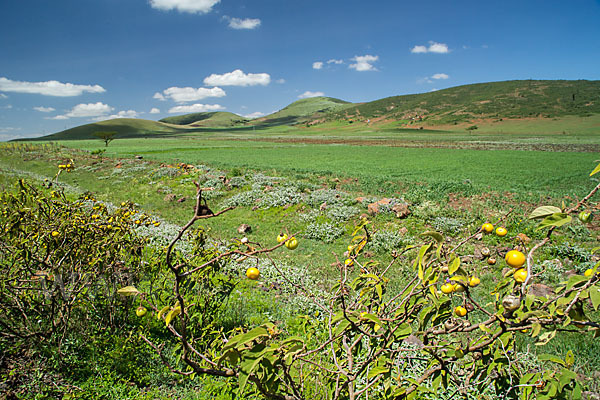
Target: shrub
[[325, 232]]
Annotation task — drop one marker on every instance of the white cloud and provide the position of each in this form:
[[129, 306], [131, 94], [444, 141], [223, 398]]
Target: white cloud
[[86, 110], [308, 94], [6, 129], [187, 94], [280, 81], [159, 96], [364, 63], [120, 114], [440, 76], [237, 78], [254, 115], [154, 110], [334, 61], [3, 96], [317, 65], [247, 23], [49, 88], [190, 6], [193, 108], [434, 47], [44, 109]]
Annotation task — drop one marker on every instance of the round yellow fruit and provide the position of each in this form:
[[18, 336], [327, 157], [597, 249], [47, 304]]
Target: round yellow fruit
[[252, 273], [282, 237], [140, 311], [474, 281], [501, 231], [447, 288], [350, 247], [459, 288], [515, 258], [460, 311], [55, 233], [520, 275], [588, 272], [349, 262], [292, 243], [487, 227]]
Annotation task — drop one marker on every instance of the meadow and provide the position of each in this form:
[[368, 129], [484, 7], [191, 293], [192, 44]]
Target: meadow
[[294, 180]]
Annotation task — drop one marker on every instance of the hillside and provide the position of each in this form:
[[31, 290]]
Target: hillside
[[207, 119], [303, 110], [125, 127], [494, 100]]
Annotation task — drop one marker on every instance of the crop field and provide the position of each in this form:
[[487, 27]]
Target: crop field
[[319, 187]]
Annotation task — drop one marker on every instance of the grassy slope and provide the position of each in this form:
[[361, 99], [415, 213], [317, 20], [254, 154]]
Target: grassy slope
[[212, 119], [494, 100], [302, 110]]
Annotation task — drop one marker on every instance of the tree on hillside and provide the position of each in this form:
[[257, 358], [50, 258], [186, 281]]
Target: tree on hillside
[[107, 137]]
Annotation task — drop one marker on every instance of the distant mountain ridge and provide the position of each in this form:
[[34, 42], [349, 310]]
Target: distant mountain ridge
[[460, 105]]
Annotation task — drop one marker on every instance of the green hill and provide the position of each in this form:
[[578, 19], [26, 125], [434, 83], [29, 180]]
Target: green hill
[[125, 127], [494, 100], [208, 119], [303, 110]]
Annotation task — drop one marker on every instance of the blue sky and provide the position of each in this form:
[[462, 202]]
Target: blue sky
[[66, 63]]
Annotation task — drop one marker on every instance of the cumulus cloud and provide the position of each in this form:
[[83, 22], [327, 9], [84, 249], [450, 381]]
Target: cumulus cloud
[[237, 78], [187, 94], [189, 6], [154, 110], [254, 115], [317, 65], [159, 96], [334, 61], [86, 110], [364, 63], [49, 88], [247, 23], [44, 109], [308, 94], [120, 114], [440, 76], [434, 47], [193, 108]]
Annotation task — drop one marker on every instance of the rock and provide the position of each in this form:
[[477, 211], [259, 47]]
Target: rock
[[373, 208], [323, 206], [539, 289], [401, 210], [415, 341], [403, 231], [360, 199], [244, 228], [169, 198]]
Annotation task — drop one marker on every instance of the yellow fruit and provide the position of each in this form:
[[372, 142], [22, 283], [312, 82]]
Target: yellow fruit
[[501, 231], [282, 237], [588, 272], [350, 247], [291, 243], [487, 227], [485, 252], [459, 288], [252, 273], [140, 311], [447, 288], [460, 311], [491, 261], [55, 233], [520, 275], [515, 258], [349, 262], [474, 281]]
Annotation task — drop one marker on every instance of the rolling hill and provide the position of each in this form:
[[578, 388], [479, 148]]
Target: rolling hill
[[461, 107]]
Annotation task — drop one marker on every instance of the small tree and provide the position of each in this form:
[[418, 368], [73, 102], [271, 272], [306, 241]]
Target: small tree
[[107, 137]]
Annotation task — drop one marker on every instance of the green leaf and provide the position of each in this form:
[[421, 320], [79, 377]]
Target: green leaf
[[536, 327], [570, 359], [377, 371], [566, 377], [556, 219], [172, 314], [128, 291], [371, 317], [438, 237], [544, 211], [403, 331], [454, 265], [595, 296], [596, 170], [249, 336], [574, 280], [551, 357], [545, 338]]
